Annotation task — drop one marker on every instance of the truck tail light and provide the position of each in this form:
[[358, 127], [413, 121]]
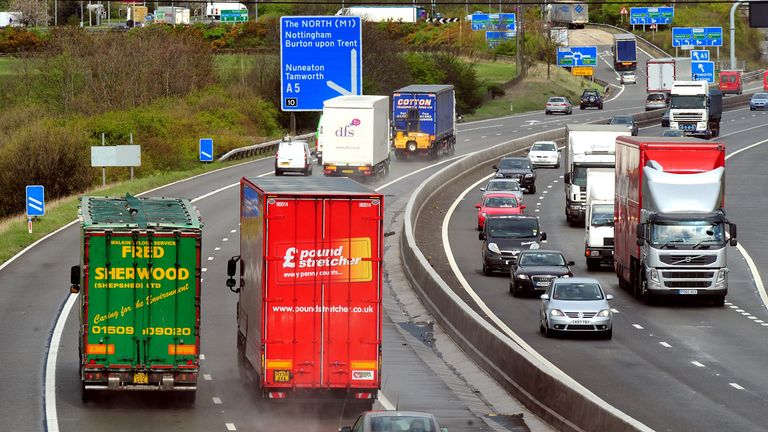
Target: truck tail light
[[365, 395], [277, 395]]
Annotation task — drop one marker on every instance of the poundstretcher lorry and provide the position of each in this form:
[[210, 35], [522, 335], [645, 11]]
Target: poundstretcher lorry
[[140, 298], [309, 297]]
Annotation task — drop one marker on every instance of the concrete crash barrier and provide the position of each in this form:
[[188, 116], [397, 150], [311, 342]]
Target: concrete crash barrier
[[549, 393], [650, 117]]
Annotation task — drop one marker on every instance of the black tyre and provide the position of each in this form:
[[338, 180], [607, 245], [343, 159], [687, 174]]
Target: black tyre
[[85, 395], [532, 189], [187, 398], [608, 334], [557, 165], [546, 112], [278, 172], [718, 301], [487, 270], [513, 289], [548, 332]]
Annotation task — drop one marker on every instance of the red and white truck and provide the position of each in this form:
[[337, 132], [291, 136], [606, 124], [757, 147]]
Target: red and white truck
[[309, 311], [670, 225]]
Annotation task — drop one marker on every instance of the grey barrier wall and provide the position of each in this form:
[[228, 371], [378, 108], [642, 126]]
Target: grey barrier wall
[[556, 398], [263, 148]]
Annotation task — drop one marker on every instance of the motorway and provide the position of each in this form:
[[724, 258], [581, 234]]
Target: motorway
[[35, 288], [676, 366]]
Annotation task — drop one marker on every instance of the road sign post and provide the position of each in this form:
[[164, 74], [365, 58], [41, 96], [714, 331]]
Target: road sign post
[[206, 150], [320, 58]]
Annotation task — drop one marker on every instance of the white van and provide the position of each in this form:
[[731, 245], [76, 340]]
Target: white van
[[293, 156]]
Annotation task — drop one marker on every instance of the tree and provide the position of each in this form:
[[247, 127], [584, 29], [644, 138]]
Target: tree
[[34, 12]]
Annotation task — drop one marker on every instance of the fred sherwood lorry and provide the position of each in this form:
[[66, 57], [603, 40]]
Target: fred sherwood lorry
[[309, 309], [424, 120], [670, 225], [139, 283], [354, 131], [587, 146]]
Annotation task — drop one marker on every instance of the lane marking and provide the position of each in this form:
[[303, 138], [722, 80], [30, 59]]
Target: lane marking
[[230, 426], [216, 400], [233, 231], [207, 377], [637, 326], [697, 364], [481, 127], [210, 258], [202, 356], [51, 415], [205, 269], [615, 311], [217, 248], [225, 239], [665, 345], [389, 406], [758, 321], [739, 310], [736, 386], [423, 169]]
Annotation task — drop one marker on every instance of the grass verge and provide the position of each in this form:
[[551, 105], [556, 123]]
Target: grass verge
[[531, 94], [13, 231]]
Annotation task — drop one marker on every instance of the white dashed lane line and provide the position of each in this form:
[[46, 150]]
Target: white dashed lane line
[[665, 345], [210, 258], [233, 231], [207, 377], [202, 356], [225, 239], [230, 426], [205, 269], [217, 248], [697, 364], [216, 400], [736, 386]]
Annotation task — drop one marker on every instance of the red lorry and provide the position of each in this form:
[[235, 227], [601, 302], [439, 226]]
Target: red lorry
[[670, 224], [309, 312]]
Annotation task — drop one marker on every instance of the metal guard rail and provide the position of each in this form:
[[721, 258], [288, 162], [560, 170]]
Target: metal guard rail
[[263, 148]]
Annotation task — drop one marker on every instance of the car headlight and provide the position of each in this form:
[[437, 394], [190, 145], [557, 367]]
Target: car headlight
[[721, 275], [565, 276], [493, 247], [522, 276], [604, 313], [528, 175], [655, 275], [535, 246], [556, 312], [499, 175]]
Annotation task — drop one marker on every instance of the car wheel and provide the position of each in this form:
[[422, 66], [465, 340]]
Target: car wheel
[[557, 165], [581, 107], [541, 326], [532, 189], [548, 332], [546, 112], [486, 270], [600, 106], [570, 111], [513, 289], [608, 334], [751, 109]]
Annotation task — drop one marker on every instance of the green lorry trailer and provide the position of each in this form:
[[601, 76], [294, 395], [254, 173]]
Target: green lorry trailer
[[139, 284]]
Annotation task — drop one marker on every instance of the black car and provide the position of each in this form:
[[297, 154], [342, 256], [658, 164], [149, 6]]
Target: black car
[[535, 270], [591, 98], [505, 236], [520, 169], [627, 120]]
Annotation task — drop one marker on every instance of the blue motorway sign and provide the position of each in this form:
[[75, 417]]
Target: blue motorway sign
[[320, 58], [494, 22], [35, 200], [700, 55], [206, 150], [703, 71], [577, 56], [651, 15], [499, 35], [697, 36]]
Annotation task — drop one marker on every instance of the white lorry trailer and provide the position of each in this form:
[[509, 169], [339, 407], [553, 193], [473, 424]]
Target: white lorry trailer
[[660, 74], [406, 14], [598, 236], [587, 146], [355, 134], [571, 14]]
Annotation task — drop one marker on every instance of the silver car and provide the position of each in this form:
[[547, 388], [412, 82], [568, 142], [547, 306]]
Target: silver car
[[504, 186], [575, 305], [558, 104], [759, 101], [656, 100], [628, 78]]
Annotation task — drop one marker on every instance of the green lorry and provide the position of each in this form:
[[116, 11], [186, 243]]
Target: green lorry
[[140, 298]]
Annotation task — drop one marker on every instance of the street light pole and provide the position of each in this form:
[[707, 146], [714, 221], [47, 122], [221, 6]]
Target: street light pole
[[733, 33]]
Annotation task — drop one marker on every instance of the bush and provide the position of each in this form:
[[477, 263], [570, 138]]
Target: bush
[[442, 68]]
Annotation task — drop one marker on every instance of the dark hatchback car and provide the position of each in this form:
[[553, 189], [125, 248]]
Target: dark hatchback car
[[627, 120], [504, 237], [535, 270], [520, 169], [591, 99]]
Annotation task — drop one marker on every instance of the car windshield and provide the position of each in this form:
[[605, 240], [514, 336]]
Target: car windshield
[[621, 120], [544, 147], [515, 164], [590, 93], [513, 228], [702, 234], [401, 423], [506, 185], [556, 99], [760, 96], [602, 215], [656, 97], [577, 291], [540, 259], [500, 202], [687, 102]]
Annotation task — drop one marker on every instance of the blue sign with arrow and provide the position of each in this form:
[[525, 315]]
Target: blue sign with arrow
[[320, 58], [35, 200], [577, 56], [206, 149], [697, 36], [494, 22], [700, 55], [703, 71], [651, 15]]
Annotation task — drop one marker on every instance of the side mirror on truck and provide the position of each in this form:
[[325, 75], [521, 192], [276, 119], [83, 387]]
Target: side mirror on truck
[[567, 178], [231, 270], [74, 279], [732, 233], [640, 234], [481, 236]]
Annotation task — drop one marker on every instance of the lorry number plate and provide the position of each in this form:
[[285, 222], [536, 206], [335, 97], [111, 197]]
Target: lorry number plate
[[140, 378], [282, 375], [689, 291]]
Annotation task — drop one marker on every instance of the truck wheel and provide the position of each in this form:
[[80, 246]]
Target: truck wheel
[[85, 395], [187, 397], [278, 172], [411, 146], [718, 301]]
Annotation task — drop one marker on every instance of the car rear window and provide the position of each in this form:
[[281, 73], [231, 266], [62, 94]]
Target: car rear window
[[556, 99], [656, 97]]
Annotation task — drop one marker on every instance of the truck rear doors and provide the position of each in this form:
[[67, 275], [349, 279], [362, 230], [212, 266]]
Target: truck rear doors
[[322, 293], [730, 82]]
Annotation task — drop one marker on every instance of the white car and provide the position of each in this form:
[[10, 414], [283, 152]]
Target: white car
[[293, 156], [628, 78], [544, 153]]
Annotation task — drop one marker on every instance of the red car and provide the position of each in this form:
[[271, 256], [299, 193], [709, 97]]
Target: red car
[[497, 204]]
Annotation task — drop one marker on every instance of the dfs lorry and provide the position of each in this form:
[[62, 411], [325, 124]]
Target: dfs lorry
[[139, 283], [310, 286], [424, 120], [670, 229]]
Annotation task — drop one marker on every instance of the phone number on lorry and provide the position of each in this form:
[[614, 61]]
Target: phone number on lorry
[[149, 331]]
